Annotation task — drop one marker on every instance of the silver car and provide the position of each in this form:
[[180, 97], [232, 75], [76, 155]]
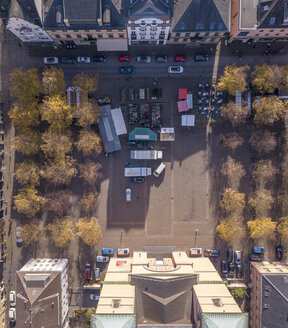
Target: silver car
[[175, 69], [128, 195]]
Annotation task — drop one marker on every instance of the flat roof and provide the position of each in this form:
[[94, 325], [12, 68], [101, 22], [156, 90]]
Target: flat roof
[[215, 298], [181, 258], [271, 267], [140, 258], [120, 264], [118, 291], [248, 13], [117, 277]]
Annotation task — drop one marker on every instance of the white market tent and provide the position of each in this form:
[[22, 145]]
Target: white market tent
[[167, 134], [119, 122], [188, 120]]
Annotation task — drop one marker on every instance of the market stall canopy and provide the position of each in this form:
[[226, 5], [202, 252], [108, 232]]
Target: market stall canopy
[[108, 132], [182, 94], [167, 134], [144, 134], [182, 106], [118, 121], [188, 120]]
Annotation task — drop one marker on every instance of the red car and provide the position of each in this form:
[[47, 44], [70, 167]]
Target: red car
[[179, 59], [87, 272], [124, 58]]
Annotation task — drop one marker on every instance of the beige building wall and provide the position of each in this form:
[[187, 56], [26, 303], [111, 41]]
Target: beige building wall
[[255, 304], [2, 305]]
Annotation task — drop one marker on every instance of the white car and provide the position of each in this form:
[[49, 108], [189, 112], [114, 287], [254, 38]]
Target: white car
[[143, 59], [12, 314], [83, 60], [94, 297], [128, 195], [51, 60], [175, 69], [19, 239], [12, 298]]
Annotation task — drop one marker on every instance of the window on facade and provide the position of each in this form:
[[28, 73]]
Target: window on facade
[[261, 30], [257, 34], [267, 34], [133, 28], [79, 36], [68, 36], [206, 34], [282, 30], [89, 36], [75, 30], [176, 40], [271, 31], [110, 36], [216, 34], [100, 36], [121, 35], [187, 34], [57, 36], [185, 39], [277, 34], [243, 33], [177, 34], [163, 27]]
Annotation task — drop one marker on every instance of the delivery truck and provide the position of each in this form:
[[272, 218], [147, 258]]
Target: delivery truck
[[146, 154], [137, 171]]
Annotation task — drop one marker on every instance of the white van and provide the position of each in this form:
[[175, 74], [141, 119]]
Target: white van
[[159, 170]]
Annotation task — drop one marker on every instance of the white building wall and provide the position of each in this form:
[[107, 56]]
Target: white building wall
[[64, 293], [148, 29], [26, 31]]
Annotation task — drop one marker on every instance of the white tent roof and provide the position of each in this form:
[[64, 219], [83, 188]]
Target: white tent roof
[[119, 121], [188, 120]]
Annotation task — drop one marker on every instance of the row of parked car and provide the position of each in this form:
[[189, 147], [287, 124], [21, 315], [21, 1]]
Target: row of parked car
[[12, 310], [122, 58]]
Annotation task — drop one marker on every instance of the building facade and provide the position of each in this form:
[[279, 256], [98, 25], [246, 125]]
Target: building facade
[[259, 21], [269, 294], [149, 21], [205, 21], [3, 303], [42, 293]]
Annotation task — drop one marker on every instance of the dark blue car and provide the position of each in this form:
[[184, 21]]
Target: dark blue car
[[258, 250], [127, 70], [224, 268]]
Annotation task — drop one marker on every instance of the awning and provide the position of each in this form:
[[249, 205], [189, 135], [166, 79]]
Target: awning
[[182, 106], [144, 134], [190, 100], [119, 121], [167, 134], [182, 94], [112, 45], [188, 120]]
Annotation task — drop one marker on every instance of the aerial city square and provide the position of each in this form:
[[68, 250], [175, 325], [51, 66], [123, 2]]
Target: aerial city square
[[144, 163]]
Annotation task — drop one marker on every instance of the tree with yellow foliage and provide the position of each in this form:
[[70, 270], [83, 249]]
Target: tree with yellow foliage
[[88, 114], [57, 113], [262, 228], [268, 110], [261, 201], [31, 233], [282, 230], [25, 117], [60, 171], [232, 201], [89, 143], [234, 79], [56, 144], [27, 142], [87, 82], [234, 171], [231, 229], [232, 141], [28, 201], [89, 230], [62, 231], [235, 113], [53, 82], [267, 78], [263, 172], [263, 141], [28, 173], [90, 172], [89, 201]]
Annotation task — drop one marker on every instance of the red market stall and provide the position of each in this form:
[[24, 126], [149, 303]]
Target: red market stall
[[182, 94]]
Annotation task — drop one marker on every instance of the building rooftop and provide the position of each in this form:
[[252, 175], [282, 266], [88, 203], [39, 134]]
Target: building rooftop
[[45, 265], [150, 8], [215, 298], [270, 267]]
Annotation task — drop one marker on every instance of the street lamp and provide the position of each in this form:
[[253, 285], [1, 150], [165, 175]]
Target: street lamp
[[121, 235]]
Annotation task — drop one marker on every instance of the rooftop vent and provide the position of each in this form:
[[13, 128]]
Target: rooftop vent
[[265, 8], [217, 302], [116, 303]]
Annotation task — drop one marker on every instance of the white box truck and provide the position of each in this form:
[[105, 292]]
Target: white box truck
[[137, 171], [146, 154]]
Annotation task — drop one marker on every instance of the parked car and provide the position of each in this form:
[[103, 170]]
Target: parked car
[[237, 257], [128, 195], [127, 70], [124, 58], [12, 315], [87, 271], [98, 59], [279, 252], [178, 59], [175, 69], [211, 253], [224, 268], [51, 60], [123, 252], [107, 251], [256, 257], [195, 252], [161, 59], [94, 297], [230, 254], [104, 259], [19, 239], [258, 250], [68, 60], [239, 271], [83, 59], [143, 59], [231, 269], [97, 273], [12, 298], [201, 57], [137, 179]]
